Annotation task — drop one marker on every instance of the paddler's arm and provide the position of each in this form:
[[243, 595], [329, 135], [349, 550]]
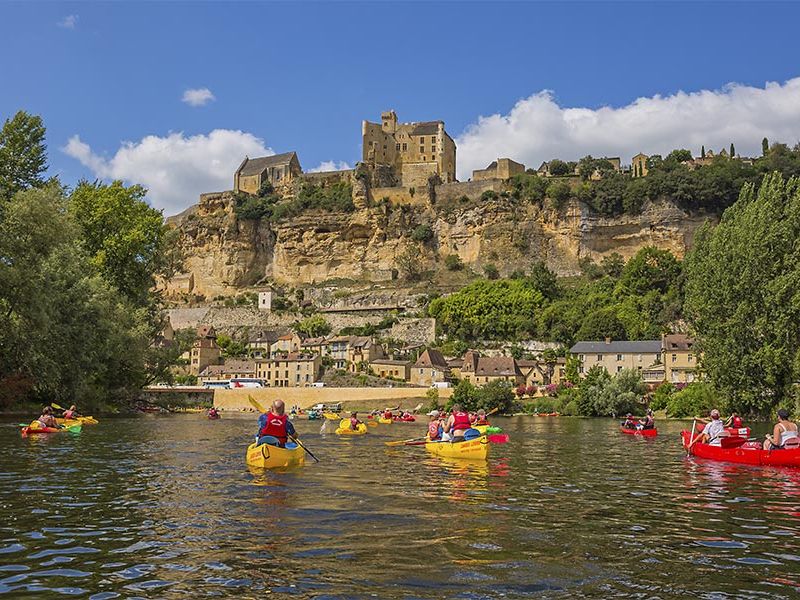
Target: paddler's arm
[[290, 429]]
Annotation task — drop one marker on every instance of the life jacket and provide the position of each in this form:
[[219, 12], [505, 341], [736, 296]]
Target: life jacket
[[69, 414], [276, 427], [481, 421], [433, 430], [737, 422], [387, 414], [461, 421], [353, 423]]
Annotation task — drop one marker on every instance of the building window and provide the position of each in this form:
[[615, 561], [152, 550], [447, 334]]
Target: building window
[[674, 358], [580, 357], [397, 146], [599, 358], [405, 147], [689, 358], [421, 149], [580, 369], [619, 369], [620, 357], [433, 148]]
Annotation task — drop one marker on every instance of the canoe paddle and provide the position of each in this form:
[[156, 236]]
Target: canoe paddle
[[404, 442], [692, 439], [260, 409]]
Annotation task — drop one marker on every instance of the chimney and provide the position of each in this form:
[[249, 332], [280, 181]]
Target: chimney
[[608, 340]]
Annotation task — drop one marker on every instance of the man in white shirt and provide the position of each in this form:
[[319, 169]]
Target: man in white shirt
[[714, 430]]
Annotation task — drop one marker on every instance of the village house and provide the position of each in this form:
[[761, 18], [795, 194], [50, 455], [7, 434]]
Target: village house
[[338, 351], [496, 368], [614, 356], [639, 165], [255, 172], [541, 372], [230, 369], [292, 370], [362, 351], [396, 369], [285, 344], [502, 168], [455, 364], [204, 350], [416, 151], [430, 368], [680, 358], [315, 345], [259, 342]]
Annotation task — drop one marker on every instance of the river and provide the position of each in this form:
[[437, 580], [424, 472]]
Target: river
[[165, 507]]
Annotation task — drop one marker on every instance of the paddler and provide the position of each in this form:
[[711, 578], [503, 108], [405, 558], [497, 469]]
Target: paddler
[[434, 426], [734, 421], [713, 430], [629, 422], [480, 418], [212, 412], [649, 421], [783, 431], [354, 422], [46, 419], [457, 424], [71, 413], [274, 427]]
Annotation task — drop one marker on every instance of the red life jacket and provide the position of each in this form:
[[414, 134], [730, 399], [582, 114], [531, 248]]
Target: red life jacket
[[433, 430], [354, 423], [69, 414], [387, 414], [461, 421], [737, 422], [276, 427]]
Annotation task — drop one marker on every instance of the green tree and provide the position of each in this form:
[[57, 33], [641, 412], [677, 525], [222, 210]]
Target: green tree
[[702, 152], [544, 280], [613, 264], [679, 156], [433, 398], [466, 395], [733, 151], [124, 236], [650, 269], [559, 192], [600, 324], [452, 262], [313, 326], [490, 270], [422, 233], [23, 154], [695, 400], [558, 168], [496, 395], [764, 147], [743, 296]]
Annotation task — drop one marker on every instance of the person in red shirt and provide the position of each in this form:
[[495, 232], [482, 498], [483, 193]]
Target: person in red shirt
[[735, 421], [457, 423], [274, 427], [354, 422]]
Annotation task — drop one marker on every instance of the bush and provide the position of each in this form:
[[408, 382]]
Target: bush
[[452, 262], [696, 399], [491, 272], [559, 192], [422, 233], [662, 396]]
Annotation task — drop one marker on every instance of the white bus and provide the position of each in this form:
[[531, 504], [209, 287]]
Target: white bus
[[245, 382], [216, 383]]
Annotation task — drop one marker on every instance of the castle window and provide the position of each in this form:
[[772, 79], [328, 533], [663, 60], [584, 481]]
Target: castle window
[[405, 147], [433, 148], [397, 147]]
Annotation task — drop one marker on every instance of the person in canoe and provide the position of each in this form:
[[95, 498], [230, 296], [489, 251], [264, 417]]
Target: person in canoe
[[71, 413], [354, 421], [480, 418], [434, 426], [46, 419], [783, 432], [457, 424], [734, 421], [274, 427], [649, 421], [629, 422], [212, 413], [713, 430]]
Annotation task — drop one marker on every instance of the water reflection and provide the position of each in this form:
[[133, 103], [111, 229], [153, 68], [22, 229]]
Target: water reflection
[[165, 507]]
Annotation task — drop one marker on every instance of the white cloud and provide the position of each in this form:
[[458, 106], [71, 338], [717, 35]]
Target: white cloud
[[198, 96], [330, 165], [175, 168], [68, 22], [538, 129]]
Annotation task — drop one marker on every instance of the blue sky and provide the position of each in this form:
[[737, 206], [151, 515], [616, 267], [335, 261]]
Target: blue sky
[[301, 76]]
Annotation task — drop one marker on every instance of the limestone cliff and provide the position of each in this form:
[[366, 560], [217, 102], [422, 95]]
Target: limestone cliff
[[225, 254]]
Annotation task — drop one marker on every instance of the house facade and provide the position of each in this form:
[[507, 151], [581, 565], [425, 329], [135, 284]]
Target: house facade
[[231, 368], [431, 367], [362, 351], [614, 356], [388, 368], [680, 358], [275, 170], [292, 370], [204, 351], [502, 168]]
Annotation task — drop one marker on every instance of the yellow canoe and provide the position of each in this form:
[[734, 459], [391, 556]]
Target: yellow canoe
[[81, 420], [344, 428], [273, 457], [385, 421], [477, 449]]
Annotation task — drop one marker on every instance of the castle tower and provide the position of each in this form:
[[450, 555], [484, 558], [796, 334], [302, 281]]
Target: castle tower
[[389, 121]]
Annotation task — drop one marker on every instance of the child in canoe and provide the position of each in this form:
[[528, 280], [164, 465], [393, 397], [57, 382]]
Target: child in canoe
[[434, 426], [354, 421], [46, 419], [71, 413]]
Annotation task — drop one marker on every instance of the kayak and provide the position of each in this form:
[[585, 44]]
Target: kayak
[[642, 432], [385, 421], [265, 456], [408, 419], [344, 428], [312, 416], [36, 428], [738, 449], [331, 416], [212, 417], [475, 449], [488, 428], [81, 420]]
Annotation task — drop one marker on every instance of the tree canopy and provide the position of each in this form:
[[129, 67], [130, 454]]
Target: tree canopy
[[23, 154]]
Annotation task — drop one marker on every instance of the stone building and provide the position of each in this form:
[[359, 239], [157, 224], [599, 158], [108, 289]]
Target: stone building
[[415, 150], [276, 170], [204, 351], [680, 358], [502, 168], [362, 350], [230, 369], [639, 165], [396, 369], [291, 370], [643, 356], [431, 367]]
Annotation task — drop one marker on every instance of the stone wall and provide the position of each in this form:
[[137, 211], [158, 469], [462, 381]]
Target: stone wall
[[400, 195], [471, 189], [422, 331], [237, 399], [416, 175]]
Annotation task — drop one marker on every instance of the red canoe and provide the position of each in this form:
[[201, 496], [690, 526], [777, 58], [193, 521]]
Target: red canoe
[[642, 432], [26, 431], [408, 419], [739, 450]]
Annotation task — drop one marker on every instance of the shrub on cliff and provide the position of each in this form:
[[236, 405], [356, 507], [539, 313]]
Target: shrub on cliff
[[452, 262]]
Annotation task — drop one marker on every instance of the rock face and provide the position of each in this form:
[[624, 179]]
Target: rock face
[[225, 254]]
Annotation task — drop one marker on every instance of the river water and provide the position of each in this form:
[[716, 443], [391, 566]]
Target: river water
[[165, 507]]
